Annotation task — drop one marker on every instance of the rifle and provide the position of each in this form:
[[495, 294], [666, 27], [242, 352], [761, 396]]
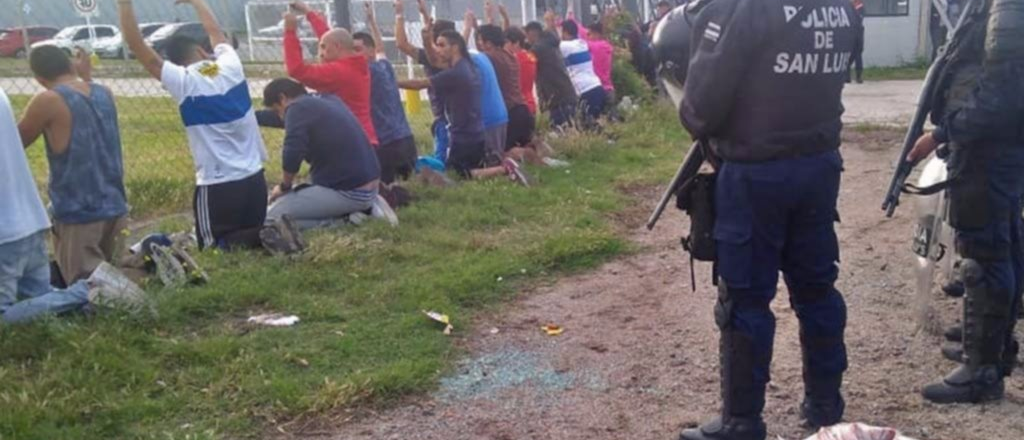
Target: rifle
[[925, 103], [684, 176]]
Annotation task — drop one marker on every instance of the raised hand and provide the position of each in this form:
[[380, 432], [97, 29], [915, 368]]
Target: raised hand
[[83, 64], [300, 6], [291, 21], [368, 10]]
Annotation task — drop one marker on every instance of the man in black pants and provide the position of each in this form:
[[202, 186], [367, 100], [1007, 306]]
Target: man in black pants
[[212, 93], [397, 150]]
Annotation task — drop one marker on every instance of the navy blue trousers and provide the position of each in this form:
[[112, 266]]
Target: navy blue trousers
[[779, 216], [988, 194]]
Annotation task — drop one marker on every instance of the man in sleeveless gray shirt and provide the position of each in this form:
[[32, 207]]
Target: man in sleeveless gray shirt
[[83, 146]]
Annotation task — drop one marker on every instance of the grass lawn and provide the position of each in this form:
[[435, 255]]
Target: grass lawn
[[197, 371], [915, 70]]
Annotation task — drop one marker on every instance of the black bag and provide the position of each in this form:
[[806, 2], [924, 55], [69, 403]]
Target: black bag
[[697, 199]]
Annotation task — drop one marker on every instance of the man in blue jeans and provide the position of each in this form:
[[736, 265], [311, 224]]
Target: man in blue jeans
[[25, 291]]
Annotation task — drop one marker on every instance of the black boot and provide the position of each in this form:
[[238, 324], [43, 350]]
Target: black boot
[[953, 352], [954, 333], [953, 288], [823, 404], [986, 322], [742, 400]]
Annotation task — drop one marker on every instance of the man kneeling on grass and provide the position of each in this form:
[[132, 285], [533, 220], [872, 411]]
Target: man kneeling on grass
[[459, 87], [78, 120], [212, 94], [321, 130], [25, 291]]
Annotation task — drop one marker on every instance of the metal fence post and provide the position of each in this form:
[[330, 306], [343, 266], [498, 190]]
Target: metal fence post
[[342, 14], [24, 29]]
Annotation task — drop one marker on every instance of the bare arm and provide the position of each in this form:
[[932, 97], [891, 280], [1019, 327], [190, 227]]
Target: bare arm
[[402, 40], [414, 84], [489, 12], [505, 22], [468, 24], [133, 38], [209, 21], [83, 65], [38, 115], [371, 19], [551, 21]]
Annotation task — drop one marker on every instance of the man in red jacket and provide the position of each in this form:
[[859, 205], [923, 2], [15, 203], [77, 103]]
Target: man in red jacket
[[341, 72]]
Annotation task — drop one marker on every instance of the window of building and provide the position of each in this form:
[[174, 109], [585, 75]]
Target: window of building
[[886, 8]]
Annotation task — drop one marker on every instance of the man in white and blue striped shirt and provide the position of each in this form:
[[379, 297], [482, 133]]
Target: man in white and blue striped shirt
[[213, 98], [581, 70]]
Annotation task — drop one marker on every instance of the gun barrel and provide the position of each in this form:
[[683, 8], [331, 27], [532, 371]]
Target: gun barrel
[[689, 168]]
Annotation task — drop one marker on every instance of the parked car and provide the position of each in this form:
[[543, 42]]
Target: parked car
[[148, 28], [108, 42], [192, 30], [12, 41]]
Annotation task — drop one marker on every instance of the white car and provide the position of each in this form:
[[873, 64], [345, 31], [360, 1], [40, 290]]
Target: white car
[[104, 40]]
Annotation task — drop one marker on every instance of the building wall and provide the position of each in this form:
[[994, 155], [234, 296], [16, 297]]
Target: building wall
[[894, 41]]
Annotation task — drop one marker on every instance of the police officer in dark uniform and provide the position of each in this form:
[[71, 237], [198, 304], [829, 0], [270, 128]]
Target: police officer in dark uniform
[[763, 87], [979, 115]]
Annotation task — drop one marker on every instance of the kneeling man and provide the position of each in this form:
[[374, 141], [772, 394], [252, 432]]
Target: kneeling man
[[322, 131]]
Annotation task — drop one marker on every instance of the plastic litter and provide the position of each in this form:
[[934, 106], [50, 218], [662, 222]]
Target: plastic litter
[[552, 330], [857, 431], [274, 320], [442, 318]]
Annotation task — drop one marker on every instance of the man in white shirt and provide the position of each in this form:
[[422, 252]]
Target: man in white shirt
[[25, 291], [230, 203], [580, 65]]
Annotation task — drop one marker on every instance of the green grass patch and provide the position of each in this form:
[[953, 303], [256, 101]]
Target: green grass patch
[[915, 70], [197, 371]]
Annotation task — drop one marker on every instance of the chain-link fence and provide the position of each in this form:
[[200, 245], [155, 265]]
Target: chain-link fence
[[159, 174]]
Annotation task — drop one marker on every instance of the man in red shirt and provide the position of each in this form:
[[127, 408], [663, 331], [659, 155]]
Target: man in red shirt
[[341, 72], [516, 43]]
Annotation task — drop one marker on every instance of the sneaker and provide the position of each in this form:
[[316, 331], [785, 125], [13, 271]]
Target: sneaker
[[555, 163], [194, 273], [515, 172], [358, 218], [108, 287], [381, 209], [281, 237], [168, 268]]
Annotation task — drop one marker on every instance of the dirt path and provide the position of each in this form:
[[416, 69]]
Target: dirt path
[[638, 359]]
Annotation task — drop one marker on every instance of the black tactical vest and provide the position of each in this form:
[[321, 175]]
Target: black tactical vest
[[790, 103]]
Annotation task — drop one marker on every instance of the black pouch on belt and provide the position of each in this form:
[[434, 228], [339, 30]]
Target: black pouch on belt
[[697, 199], [969, 200]]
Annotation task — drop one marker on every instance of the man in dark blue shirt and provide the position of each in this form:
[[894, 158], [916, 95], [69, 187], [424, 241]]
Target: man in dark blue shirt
[[322, 131], [459, 87], [397, 150]]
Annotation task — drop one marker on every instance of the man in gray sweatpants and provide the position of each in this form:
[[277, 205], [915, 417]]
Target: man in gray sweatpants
[[322, 131]]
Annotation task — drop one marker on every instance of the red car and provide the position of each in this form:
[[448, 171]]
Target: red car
[[12, 43]]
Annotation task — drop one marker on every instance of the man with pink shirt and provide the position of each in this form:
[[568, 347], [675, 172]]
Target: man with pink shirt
[[601, 52]]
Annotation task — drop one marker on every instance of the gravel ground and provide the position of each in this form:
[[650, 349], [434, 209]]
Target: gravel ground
[[638, 358]]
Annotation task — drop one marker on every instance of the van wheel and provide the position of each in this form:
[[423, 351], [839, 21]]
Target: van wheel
[[20, 53]]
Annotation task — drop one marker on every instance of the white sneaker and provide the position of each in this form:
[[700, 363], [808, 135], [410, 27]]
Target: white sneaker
[[108, 287], [381, 209], [555, 163]]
